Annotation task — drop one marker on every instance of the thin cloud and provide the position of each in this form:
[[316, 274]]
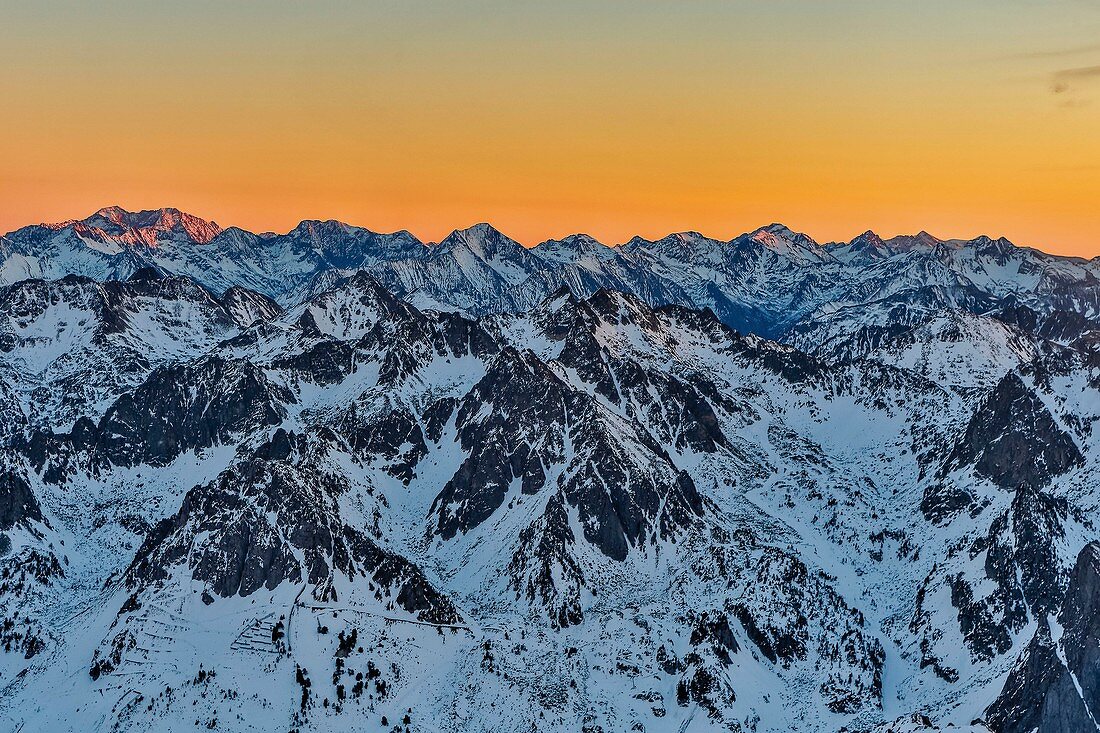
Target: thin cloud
[[1055, 53], [1082, 72], [1066, 83]]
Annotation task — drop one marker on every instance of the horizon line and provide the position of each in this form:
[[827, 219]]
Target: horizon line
[[429, 242]]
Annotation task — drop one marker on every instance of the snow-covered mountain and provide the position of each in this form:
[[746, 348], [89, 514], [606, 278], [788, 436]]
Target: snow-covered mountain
[[772, 282], [337, 480]]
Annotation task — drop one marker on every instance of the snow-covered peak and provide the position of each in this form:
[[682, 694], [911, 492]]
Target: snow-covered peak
[[864, 248], [786, 234], [781, 240], [483, 240], [483, 255], [1000, 248], [691, 248], [588, 503], [921, 241], [574, 248], [319, 229], [868, 242], [146, 227], [347, 247]]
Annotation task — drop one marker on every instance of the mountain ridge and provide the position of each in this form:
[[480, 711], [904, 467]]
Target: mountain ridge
[[677, 486], [124, 217]]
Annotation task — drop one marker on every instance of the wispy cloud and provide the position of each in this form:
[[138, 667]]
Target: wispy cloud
[[1055, 53], [1067, 84], [1081, 72]]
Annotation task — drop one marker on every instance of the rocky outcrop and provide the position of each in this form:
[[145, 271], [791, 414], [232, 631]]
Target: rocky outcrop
[[178, 408], [272, 519], [520, 420], [1013, 439], [1055, 687], [18, 504]]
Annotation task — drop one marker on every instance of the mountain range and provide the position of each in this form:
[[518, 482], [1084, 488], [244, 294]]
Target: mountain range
[[339, 480]]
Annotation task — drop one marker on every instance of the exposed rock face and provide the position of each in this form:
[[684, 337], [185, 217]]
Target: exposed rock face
[[392, 435], [247, 307], [1055, 687], [1013, 439], [246, 530], [1022, 566], [178, 408], [17, 502], [544, 569], [186, 407], [522, 418], [326, 362], [788, 608]]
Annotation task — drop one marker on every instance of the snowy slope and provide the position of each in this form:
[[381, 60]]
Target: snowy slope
[[543, 502]]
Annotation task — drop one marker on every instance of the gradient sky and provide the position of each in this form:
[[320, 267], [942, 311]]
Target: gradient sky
[[615, 118]]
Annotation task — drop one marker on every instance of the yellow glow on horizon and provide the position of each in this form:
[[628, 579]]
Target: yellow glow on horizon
[[611, 119]]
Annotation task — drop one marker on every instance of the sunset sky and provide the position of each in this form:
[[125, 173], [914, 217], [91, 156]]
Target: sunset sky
[[961, 117]]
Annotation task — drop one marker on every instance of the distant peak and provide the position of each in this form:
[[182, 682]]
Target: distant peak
[[777, 228], [481, 229], [922, 240], [985, 240], [146, 226], [483, 239], [116, 214], [782, 232], [314, 227], [985, 245], [580, 239], [869, 241], [573, 246], [783, 241], [869, 236]]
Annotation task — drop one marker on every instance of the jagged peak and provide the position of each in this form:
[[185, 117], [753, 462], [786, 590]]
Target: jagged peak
[[920, 240], [582, 238], [1000, 246], [688, 246], [784, 242], [481, 230], [145, 227], [315, 227], [781, 232], [868, 245], [617, 307], [867, 239], [484, 240], [578, 241], [362, 283]]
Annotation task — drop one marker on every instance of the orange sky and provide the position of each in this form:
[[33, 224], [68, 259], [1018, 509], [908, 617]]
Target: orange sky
[[613, 118]]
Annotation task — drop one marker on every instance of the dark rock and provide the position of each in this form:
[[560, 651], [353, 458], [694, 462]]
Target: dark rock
[[18, 504], [258, 516], [1013, 440], [1041, 693]]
